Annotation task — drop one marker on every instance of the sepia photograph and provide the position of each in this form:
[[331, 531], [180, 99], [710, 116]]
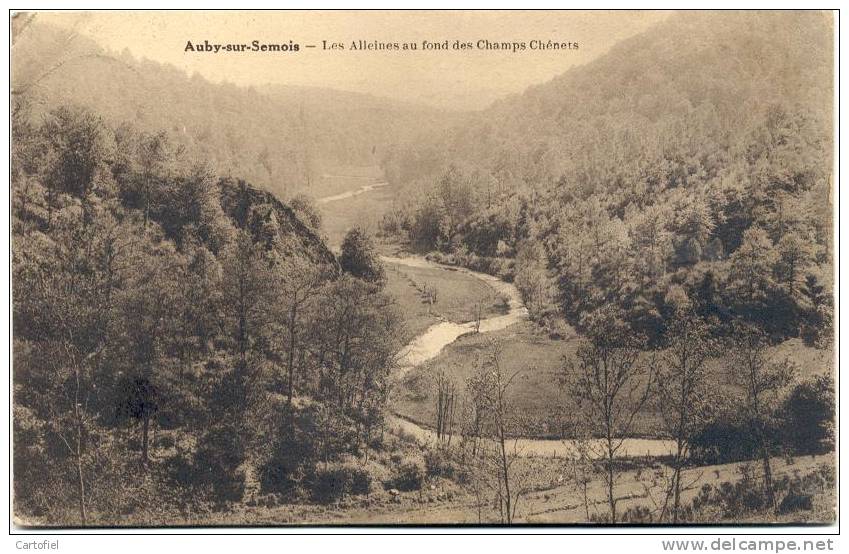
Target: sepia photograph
[[428, 268]]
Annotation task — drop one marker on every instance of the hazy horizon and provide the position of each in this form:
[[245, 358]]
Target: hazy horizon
[[450, 80]]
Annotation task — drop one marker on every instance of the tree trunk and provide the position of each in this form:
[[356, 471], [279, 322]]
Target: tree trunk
[[770, 493], [505, 475], [81, 487], [291, 361], [79, 450], [243, 335], [145, 431], [611, 499], [676, 502]]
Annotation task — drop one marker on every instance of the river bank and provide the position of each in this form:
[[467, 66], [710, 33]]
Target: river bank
[[431, 343]]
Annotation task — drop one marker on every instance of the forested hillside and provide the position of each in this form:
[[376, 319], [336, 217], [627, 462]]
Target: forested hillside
[[281, 138], [690, 166], [153, 298]]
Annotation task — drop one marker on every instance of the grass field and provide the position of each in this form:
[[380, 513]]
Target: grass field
[[536, 392], [364, 210], [457, 295]]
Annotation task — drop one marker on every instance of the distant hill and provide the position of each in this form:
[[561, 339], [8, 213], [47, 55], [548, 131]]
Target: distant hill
[[696, 79], [279, 137], [648, 177]]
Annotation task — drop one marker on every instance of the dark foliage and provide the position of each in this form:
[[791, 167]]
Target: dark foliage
[[808, 416], [359, 257]]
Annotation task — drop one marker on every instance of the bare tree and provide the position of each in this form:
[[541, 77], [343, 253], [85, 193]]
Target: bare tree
[[70, 306], [303, 281], [581, 459], [761, 381], [681, 391], [496, 418], [609, 385], [446, 393]]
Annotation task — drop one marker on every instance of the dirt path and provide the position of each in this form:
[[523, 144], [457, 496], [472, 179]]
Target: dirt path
[[564, 504]]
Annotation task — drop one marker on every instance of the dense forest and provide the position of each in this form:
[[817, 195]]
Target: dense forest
[[688, 167], [152, 296], [281, 138]]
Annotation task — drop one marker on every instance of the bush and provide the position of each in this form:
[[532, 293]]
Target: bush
[[796, 501], [217, 461], [165, 441], [808, 415], [332, 483], [359, 257], [329, 484], [181, 405], [723, 441], [359, 480], [180, 471], [297, 446], [733, 499], [638, 514], [438, 463], [409, 476]]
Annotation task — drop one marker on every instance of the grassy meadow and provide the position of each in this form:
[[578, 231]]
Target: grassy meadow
[[537, 391]]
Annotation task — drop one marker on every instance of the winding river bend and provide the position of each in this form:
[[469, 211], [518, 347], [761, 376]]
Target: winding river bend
[[430, 344], [351, 193]]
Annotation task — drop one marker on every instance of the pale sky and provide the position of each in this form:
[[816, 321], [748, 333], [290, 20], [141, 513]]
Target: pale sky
[[454, 79]]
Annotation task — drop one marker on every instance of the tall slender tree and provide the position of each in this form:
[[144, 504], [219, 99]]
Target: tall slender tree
[[610, 384]]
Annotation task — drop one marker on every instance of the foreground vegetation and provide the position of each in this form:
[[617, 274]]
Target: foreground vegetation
[[179, 337]]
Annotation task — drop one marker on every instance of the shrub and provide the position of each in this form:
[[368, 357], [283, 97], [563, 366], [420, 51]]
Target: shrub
[[180, 405], [796, 501], [166, 441], [334, 482], [298, 445], [179, 470], [409, 476], [723, 441], [438, 463], [808, 415], [638, 514], [329, 484], [359, 479], [359, 257], [217, 460]]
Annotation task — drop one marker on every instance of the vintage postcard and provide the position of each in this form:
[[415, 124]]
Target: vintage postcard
[[302, 268]]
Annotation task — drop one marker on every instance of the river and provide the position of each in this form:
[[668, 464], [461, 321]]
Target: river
[[350, 193], [429, 344]]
